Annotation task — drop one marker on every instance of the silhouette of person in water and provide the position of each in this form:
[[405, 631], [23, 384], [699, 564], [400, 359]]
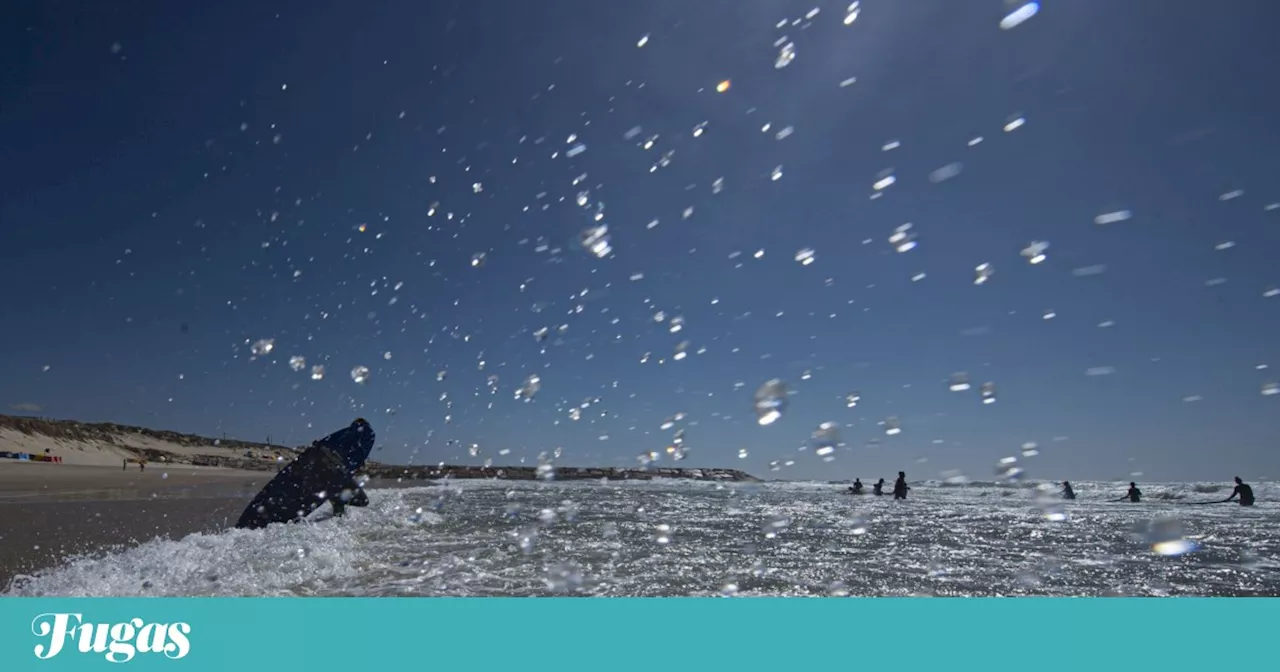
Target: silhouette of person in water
[[900, 486], [1067, 492], [878, 488], [324, 472], [857, 487], [1243, 491], [1134, 494]]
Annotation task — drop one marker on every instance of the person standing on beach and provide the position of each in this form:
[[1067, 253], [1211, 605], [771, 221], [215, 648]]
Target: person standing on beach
[[900, 486], [1243, 491]]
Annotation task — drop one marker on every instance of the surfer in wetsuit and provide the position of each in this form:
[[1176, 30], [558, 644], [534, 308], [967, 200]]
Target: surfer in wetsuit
[[1243, 491], [1134, 495], [900, 486], [878, 488], [324, 472], [1067, 492], [856, 489]]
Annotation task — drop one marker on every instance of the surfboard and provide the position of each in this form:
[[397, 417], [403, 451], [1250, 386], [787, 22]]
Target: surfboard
[[318, 475]]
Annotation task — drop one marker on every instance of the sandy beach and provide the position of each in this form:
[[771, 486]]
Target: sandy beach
[[49, 512]]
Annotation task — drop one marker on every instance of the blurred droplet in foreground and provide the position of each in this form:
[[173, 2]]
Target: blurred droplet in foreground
[[959, 382], [1165, 536], [825, 439], [530, 388], [1035, 252], [770, 401], [988, 393], [1007, 469], [903, 238], [774, 525], [360, 374], [982, 272], [1018, 16]]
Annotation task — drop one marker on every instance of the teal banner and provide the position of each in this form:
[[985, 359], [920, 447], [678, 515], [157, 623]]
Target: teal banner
[[633, 634]]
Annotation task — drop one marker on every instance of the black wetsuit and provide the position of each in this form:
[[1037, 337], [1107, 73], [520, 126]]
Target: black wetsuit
[[900, 488], [1245, 492], [1067, 492], [1135, 495], [857, 488], [325, 472], [878, 488]]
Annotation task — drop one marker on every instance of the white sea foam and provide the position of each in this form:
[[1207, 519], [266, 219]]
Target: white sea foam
[[507, 538]]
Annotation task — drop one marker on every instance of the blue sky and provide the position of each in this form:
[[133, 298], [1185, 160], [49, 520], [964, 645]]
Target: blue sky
[[182, 181]]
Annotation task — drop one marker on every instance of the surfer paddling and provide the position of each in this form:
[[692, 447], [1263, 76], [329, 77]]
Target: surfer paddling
[[325, 472], [1243, 491], [1133, 495]]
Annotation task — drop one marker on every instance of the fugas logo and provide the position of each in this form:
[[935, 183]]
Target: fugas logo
[[119, 642]]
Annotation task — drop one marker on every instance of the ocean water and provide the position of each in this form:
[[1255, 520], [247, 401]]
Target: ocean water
[[681, 538]]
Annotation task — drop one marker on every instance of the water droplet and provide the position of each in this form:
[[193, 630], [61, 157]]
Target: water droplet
[[851, 400], [903, 239], [1029, 449], [723, 86], [892, 426], [774, 525], [297, 362], [527, 538], [530, 388], [595, 239], [1014, 124], [805, 256], [1270, 389], [478, 259], [988, 393], [1165, 536], [982, 273], [946, 172], [770, 401], [1018, 16], [825, 439], [1007, 469], [564, 577], [776, 174], [360, 374], [1112, 217], [857, 524], [729, 589], [959, 382], [785, 56], [742, 453], [662, 534], [263, 347], [644, 39], [851, 14], [1035, 252]]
